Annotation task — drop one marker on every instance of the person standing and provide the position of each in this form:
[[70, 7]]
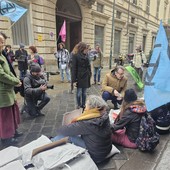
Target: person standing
[[63, 58], [9, 111], [97, 64], [34, 56], [22, 57], [139, 60], [114, 86], [9, 54], [81, 73], [74, 52]]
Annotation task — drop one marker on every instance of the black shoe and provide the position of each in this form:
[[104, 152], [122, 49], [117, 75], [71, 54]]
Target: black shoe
[[39, 113], [9, 141], [116, 106], [17, 134]]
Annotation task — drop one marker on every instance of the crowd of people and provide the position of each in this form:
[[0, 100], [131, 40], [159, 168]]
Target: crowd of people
[[92, 129]]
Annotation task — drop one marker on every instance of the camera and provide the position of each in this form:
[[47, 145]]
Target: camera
[[50, 86]]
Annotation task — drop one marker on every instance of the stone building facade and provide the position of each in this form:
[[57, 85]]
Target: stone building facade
[[135, 22]]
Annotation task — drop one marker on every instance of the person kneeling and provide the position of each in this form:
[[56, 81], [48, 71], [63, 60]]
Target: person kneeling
[[91, 130], [126, 129], [34, 88]]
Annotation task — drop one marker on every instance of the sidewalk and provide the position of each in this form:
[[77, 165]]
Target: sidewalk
[[62, 101]]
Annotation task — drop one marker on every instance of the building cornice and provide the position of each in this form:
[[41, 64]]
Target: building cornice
[[104, 16]]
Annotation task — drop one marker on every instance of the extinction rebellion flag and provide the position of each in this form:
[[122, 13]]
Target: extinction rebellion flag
[[11, 10]]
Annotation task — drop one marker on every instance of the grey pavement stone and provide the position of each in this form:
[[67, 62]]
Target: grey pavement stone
[[164, 163]]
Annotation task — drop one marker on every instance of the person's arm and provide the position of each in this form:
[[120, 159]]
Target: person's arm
[[74, 68], [29, 89], [105, 86], [74, 129], [8, 78], [121, 123], [124, 88]]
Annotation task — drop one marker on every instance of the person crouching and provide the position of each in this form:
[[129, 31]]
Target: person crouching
[[35, 86]]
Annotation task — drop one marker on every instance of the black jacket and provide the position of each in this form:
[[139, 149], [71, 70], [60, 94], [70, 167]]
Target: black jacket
[[131, 121], [32, 86], [21, 56], [96, 134], [81, 70]]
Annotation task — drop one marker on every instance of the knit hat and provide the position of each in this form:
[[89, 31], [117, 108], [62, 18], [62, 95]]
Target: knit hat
[[35, 68], [21, 45], [130, 96]]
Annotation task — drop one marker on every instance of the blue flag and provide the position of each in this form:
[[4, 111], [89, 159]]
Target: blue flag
[[157, 80], [11, 10]]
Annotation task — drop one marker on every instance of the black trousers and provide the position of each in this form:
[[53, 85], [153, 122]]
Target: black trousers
[[34, 105]]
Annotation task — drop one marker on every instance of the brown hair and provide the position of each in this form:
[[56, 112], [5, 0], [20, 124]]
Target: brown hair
[[126, 105], [61, 44], [82, 46], [75, 49], [33, 48]]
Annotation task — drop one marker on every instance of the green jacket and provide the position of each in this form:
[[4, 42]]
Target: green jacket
[[7, 83]]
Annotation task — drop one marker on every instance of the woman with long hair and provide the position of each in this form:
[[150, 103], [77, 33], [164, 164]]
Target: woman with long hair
[[81, 73], [126, 129]]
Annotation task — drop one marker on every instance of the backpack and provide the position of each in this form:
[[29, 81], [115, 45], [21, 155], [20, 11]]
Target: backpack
[[148, 138], [41, 60]]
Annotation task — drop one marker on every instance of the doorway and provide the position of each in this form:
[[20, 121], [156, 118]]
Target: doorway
[[71, 13]]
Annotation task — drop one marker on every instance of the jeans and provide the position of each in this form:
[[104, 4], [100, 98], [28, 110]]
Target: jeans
[[108, 96], [81, 94], [67, 74], [97, 71], [76, 140], [33, 106], [22, 74]]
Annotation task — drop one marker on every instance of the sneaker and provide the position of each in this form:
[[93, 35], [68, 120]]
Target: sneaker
[[98, 83]]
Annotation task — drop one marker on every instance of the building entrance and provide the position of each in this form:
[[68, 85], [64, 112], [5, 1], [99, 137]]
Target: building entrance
[[70, 12]]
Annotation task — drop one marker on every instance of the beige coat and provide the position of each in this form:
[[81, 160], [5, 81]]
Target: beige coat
[[98, 62], [110, 83], [138, 58]]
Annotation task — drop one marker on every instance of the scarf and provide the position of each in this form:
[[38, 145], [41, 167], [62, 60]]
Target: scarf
[[88, 114]]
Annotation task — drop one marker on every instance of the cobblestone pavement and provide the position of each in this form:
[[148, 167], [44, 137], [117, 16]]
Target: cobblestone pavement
[[62, 101]]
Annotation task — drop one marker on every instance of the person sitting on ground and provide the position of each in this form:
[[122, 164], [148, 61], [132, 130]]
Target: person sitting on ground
[[126, 128], [114, 86], [35, 86], [93, 126]]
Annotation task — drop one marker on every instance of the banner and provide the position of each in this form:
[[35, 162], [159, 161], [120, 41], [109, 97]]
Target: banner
[[11, 10], [157, 80], [63, 32], [135, 76]]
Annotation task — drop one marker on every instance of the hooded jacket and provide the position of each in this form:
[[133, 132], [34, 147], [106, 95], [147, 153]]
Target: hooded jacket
[[131, 119], [96, 134]]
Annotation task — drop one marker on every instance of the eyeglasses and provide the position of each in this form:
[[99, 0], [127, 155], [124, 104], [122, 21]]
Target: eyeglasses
[[120, 74]]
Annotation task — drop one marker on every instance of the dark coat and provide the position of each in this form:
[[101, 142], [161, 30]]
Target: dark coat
[[21, 56], [81, 70], [96, 134], [32, 86], [131, 121]]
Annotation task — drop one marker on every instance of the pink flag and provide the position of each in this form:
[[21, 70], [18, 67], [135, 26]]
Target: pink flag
[[63, 32]]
